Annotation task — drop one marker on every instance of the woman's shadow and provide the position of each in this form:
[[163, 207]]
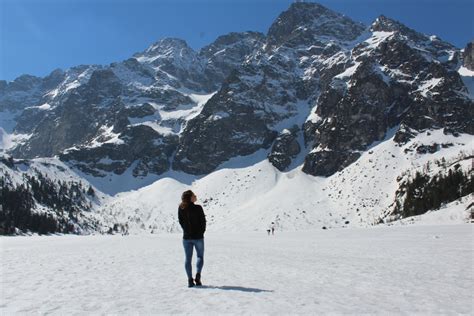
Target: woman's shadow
[[233, 288]]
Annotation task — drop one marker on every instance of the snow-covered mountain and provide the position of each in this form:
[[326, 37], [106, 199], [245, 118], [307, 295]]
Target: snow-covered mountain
[[45, 196], [301, 126]]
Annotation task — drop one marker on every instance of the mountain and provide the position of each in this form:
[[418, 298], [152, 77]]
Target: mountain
[[468, 56], [311, 98], [46, 197]]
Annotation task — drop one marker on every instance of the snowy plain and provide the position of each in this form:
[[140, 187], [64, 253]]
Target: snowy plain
[[381, 270]]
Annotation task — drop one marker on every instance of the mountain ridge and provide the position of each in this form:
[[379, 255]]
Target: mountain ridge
[[314, 95]]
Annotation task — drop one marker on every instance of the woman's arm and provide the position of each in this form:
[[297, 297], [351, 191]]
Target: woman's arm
[[203, 219], [180, 218]]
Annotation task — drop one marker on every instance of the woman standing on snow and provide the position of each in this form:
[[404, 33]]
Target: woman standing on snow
[[193, 222]]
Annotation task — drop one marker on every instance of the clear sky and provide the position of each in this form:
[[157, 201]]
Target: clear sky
[[37, 36]]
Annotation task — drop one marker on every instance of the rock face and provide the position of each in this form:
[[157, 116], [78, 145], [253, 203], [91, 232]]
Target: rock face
[[227, 53], [396, 77], [270, 92], [285, 148], [141, 145], [316, 75], [468, 56], [304, 23], [22, 92]]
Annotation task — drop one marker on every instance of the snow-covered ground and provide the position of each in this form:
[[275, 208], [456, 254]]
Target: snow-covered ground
[[398, 270]]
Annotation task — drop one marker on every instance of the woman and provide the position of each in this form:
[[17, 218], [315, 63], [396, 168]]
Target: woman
[[193, 222]]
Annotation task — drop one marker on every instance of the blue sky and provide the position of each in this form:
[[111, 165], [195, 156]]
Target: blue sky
[[37, 36]]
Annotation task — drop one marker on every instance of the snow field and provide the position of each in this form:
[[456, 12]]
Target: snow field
[[249, 192], [398, 270]]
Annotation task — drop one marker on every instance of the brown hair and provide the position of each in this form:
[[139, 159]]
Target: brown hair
[[186, 199]]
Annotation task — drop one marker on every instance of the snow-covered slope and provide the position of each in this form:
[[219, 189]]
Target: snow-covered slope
[[248, 193], [9, 139], [457, 212], [45, 196], [468, 79]]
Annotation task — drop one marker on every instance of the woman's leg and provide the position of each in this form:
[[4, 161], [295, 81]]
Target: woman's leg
[[199, 244], [188, 251]]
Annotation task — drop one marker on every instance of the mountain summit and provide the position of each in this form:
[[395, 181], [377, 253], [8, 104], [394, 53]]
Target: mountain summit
[[314, 95], [311, 21], [307, 76]]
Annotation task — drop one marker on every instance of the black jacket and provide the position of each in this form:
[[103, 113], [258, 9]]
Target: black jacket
[[192, 221]]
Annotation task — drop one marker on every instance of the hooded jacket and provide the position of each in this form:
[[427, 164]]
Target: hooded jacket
[[192, 221]]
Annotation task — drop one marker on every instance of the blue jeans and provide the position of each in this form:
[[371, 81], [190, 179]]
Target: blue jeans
[[188, 245]]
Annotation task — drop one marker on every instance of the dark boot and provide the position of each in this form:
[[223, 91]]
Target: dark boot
[[190, 282], [198, 279]]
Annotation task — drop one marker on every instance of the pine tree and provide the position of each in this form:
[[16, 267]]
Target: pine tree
[[90, 191]]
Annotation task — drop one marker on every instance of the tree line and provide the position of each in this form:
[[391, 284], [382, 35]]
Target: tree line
[[424, 192], [41, 205]]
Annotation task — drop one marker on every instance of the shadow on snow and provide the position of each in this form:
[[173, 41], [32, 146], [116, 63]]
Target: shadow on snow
[[233, 288]]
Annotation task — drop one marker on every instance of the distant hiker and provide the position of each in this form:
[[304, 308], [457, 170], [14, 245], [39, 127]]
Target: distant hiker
[[193, 222], [273, 228], [268, 231]]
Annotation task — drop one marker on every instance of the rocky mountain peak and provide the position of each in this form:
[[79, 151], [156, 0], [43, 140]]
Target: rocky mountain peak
[[246, 92], [166, 45], [20, 93], [168, 50], [304, 18], [3, 86], [24, 82], [105, 82], [228, 52], [386, 24], [468, 56], [54, 78], [233, 38], [173, 56]]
